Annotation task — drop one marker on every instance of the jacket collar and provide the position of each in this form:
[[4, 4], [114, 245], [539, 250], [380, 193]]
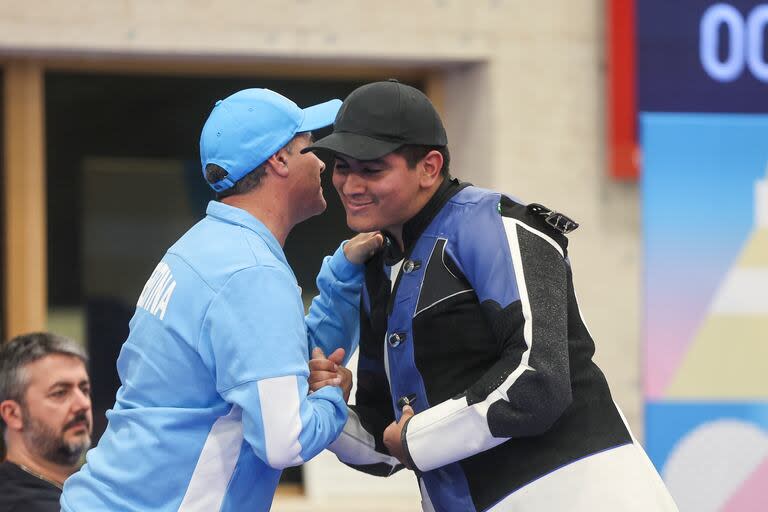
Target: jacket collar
[[240, 217], [416, 225]]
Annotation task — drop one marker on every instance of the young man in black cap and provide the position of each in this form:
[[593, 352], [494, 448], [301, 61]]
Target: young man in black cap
[[475, 366]]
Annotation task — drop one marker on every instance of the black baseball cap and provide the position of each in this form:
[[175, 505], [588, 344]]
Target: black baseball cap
[[378, 118]]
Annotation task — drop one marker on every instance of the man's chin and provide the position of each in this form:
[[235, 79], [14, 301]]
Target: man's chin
[[320, 209], [77, 448], [360, 225], [78, 442], [69, 451]]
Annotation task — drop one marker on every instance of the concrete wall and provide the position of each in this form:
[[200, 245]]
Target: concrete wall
[[520, 84]]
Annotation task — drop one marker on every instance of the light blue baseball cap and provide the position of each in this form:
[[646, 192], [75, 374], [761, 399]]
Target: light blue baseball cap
[[245, 129]]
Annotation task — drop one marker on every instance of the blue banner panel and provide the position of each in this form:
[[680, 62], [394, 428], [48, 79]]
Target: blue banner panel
[[702, 56]]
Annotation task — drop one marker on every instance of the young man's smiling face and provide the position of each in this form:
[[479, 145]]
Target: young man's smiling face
[[379, 194]]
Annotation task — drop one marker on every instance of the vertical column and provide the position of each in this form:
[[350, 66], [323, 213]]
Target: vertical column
[[621, 77], [25, 293]]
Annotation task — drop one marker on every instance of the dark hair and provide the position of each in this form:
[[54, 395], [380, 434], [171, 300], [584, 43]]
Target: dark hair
[[414, 153], [25, 349], [250, 181]]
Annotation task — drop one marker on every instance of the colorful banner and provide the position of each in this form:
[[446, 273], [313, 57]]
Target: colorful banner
[[706, 315], [703, 101]]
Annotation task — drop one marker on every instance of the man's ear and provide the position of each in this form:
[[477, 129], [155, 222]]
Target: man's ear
[[10, 411], [278, 163], [430, 167]]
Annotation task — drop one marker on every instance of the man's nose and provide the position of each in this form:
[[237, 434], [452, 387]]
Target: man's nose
[[319, 161], [82, 400], [353, 184]]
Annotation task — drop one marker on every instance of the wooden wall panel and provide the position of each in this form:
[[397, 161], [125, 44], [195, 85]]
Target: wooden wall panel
[[24, 213]]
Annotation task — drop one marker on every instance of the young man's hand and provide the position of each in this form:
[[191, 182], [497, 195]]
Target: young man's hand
[[392, 436], [328, 371], [363, 246]]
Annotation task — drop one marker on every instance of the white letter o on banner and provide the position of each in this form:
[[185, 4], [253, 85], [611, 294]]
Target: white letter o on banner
[[756, 23]]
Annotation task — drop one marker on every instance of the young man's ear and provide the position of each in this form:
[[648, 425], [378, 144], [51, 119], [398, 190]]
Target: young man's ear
[[10, 411], [431, 165]]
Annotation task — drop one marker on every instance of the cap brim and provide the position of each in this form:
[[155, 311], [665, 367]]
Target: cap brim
[[359, 147], [319, 116]]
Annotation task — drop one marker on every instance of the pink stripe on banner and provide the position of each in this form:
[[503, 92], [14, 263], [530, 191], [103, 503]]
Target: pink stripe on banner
[[752, 496]]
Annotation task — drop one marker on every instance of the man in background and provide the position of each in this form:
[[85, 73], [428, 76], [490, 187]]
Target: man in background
[[45, 407], [214, 401]]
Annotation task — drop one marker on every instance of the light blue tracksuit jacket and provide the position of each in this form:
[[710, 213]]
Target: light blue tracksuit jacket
[[214, 399]]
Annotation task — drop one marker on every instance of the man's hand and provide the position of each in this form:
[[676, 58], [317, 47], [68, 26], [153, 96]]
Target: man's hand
[[329, 371], [392, 436], [363, 246]]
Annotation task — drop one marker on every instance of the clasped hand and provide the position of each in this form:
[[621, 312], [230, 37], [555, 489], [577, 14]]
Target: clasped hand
[[393, 439], [329, 371]]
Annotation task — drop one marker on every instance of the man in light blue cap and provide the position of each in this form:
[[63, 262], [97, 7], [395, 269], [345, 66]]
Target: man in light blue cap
[[214, 399]]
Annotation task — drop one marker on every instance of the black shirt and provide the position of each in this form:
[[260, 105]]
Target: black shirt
[[23, 492]]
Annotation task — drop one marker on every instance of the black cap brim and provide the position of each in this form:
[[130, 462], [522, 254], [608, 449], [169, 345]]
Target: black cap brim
[[359, 147]]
